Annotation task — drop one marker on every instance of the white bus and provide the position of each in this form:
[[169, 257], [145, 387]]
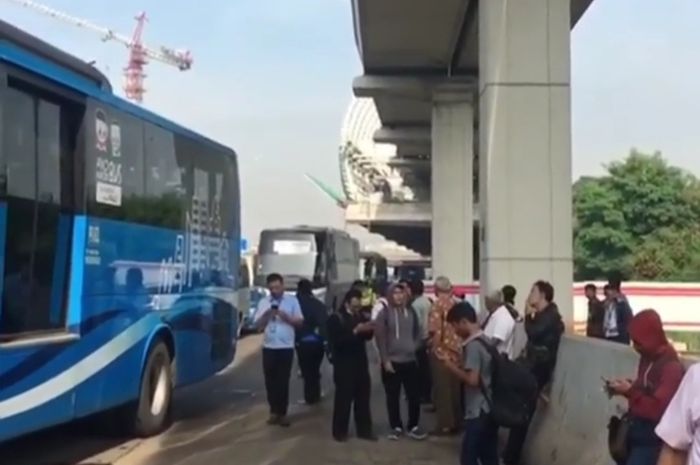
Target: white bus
[[328, 257]]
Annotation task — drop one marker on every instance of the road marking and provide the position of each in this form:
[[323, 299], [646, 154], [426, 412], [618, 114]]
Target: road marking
[[112, 456]]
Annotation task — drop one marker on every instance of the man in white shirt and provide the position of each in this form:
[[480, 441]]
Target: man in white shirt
[[499, 325], [679, 428], [278, 315]]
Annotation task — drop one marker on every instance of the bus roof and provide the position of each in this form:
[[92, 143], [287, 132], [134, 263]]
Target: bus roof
[[410, 262], [371, 254], [310, 229], [33, 54], [10, 33]]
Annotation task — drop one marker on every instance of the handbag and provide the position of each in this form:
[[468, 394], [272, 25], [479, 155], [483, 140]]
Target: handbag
[[618, 429]]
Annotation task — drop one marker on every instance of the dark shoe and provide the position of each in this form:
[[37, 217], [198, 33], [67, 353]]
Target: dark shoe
[[273, 420], [395, 434], [284, 422], [342, 438], [368, 437]]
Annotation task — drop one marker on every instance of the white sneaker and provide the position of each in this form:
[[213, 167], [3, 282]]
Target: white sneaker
[[417, 434]]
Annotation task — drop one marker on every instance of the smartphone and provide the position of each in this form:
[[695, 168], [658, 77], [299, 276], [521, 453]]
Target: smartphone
[[606, 386]]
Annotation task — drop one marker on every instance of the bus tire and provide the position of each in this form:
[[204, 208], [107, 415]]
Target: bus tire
[[153, 408]]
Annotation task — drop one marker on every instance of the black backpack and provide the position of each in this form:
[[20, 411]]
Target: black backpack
[[513, 389]]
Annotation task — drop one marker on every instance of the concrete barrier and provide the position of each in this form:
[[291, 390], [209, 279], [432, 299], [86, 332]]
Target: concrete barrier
[[571, 429]]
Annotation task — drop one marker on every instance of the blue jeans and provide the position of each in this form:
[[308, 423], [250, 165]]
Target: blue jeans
[[644, 445], [480, 442], [643, 455]]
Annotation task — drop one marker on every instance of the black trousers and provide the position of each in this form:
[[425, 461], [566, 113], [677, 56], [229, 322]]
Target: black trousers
[[424, 375], [352, 392], [310, 358], [405, 375], [518, 435], [277, 367]]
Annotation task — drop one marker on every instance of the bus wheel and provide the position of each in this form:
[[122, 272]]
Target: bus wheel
[[155, 398]]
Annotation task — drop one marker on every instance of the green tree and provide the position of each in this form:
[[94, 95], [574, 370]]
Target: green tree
[[601, 240], [641, 219], [668, 255], [654, 195]]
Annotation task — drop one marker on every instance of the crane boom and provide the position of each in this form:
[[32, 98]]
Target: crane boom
[[180, 59]]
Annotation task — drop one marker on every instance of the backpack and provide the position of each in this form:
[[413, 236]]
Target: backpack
[[514, 389]]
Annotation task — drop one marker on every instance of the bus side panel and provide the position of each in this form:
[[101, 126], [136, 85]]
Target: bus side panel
[[205, 327], [54, 383], [117, 383], [50, 414], [31, 413], [136, 270]]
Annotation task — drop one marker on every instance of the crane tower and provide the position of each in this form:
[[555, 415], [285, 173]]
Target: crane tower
[[139, 53]]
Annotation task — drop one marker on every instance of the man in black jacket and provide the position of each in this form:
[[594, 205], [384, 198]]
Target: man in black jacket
[[544, 328], [348, 333], [310, 341]]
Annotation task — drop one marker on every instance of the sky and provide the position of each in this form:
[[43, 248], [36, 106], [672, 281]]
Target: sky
[[272, 79]]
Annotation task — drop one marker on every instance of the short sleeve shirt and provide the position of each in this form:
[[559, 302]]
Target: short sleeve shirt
[[501, 326], [477, 358], [448, 339], [278, 334], [680, 425]]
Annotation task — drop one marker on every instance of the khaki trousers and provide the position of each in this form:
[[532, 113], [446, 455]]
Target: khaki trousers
[[446, 396]]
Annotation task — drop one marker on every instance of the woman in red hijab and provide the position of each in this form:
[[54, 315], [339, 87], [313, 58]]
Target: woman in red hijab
[[658, 376]]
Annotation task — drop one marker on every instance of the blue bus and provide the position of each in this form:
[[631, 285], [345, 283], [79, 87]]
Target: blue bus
[[119, 242]]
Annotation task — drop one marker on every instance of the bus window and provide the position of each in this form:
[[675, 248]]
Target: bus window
[[40, 138], [292, 254], [165, 178], [244, 275]]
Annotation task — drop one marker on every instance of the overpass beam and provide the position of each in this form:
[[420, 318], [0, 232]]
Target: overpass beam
[[412, 87], [452, 183], [414, 135], [525, 146]]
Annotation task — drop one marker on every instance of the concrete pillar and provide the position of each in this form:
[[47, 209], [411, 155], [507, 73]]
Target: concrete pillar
[[452, 180], [525, 146]]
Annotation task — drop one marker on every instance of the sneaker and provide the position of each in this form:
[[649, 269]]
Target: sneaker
[[417, 433], [273, 420], [368, 437], [395, 434], [284, 421]]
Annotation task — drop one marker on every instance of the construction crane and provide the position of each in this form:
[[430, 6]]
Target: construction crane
[[139, 53]]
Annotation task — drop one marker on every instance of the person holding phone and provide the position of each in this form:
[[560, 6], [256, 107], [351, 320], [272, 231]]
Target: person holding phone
[[278, 315], [659, 373], [348, 333]]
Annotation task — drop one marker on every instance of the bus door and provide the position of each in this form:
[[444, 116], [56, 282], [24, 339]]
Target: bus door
[[39, 127]]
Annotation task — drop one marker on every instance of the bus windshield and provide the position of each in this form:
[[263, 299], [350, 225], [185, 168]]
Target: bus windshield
[[291, 254]]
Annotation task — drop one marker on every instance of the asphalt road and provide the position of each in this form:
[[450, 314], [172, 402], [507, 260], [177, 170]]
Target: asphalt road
[[222, 422]]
